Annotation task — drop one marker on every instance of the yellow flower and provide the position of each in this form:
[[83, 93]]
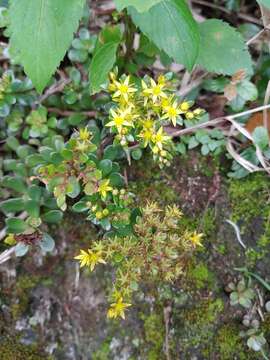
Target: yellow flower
[[118, 309], [146, 135], [195, 238], [162, 80], [123, 89], [120, 119], [84, 134], [171, 112], [145, 93], [160, 138], [148, 124], [165, 102], [185, 106], [104, 187], [82, 146], [147, 131], [90, 258], [156, 90]]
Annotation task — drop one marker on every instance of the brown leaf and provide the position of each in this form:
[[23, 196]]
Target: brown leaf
[[257, 120], [238, 76]]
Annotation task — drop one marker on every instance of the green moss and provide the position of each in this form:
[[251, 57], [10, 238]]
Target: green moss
[[206, 312], [21, 292], [156, 190], [200, 276], [199, 324], [251, 209], [229, 345], [252, 256], [208, 223], [221, 248], [154, 331], [249, 197], [103, 352], [11, 349]]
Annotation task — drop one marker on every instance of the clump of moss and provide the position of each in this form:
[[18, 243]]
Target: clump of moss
[[11, 349], [229, 345], [103, 352], [23, 286], [200, 276], [250, 207], [199, 325], [208, 222], [205, 312], [154, 331], [243, 194]]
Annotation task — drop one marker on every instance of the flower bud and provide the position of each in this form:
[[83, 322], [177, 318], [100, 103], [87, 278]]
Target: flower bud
[[184, 106], [99, 215], [189, 115], [105, 212]]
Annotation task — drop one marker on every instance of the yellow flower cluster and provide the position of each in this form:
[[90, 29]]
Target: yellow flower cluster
[[142, 111], [158, 251]]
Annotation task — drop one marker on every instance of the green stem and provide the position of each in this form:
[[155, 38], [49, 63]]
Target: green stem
[[264, 355], [129, 37]]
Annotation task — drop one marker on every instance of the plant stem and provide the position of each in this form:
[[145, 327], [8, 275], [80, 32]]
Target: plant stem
[[129, 37], [264, 355]]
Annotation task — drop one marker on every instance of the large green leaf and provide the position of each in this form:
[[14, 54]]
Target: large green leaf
[[12, 205], [170, 25], [101, 64], [15, 225], [140, 5], [41, 32], [264, 3], [222, 49]]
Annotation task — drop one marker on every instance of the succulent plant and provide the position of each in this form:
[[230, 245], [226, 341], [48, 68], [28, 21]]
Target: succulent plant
[[241, 294]]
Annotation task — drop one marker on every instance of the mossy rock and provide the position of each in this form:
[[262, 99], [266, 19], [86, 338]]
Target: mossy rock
[[11, 349]]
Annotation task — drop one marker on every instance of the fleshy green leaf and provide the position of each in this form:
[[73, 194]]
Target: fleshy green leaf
[[21, 249], [136, 154], [105, 166], [116, 180], [14, 182], [260, 137], [41, 32], [140, 5], [12, 205], [47, 243], [52, 216], [33, 208], [15, 225], [80, 206], [111, 152], [170, 25], [103, 61], [34, 192], [222, 49]]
